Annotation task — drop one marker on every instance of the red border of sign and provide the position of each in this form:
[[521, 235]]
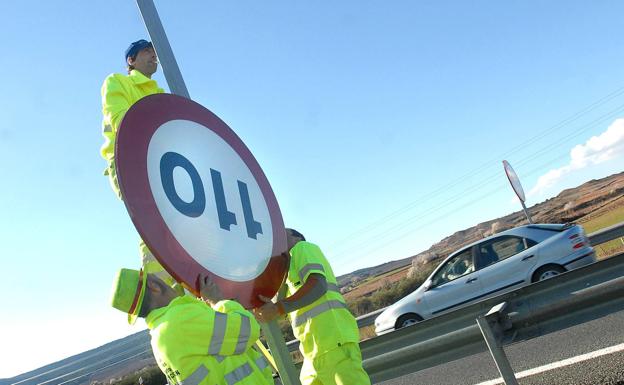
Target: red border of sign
[[133, 138]]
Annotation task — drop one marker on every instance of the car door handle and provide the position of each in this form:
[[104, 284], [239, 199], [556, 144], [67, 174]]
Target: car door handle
[[528, 257], [471, 280]]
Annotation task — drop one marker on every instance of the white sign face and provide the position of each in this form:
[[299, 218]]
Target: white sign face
[[209, 200], [514, 180]]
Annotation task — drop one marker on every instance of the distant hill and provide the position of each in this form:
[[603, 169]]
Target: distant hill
[[113, 360], [569, 206], [374, 271]]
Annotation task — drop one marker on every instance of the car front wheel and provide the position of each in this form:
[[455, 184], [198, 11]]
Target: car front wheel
[[408, 320], [546, 272]]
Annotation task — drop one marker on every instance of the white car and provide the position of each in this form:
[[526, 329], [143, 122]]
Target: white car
[[489, 267]]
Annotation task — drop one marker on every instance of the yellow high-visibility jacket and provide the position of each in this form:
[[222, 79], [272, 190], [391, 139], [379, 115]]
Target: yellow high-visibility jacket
[[327, 322], [119, 93], [196, 345]]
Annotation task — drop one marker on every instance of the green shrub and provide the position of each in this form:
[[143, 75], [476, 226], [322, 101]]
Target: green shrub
[[389, 293], [150, 376], [363, 306], [286, 329]]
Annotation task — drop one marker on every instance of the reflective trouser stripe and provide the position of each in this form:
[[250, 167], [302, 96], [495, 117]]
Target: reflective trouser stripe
[[325, 306], [152, 266], [197, 376], [238, 374], [312, 266], [262, 363], [155, 268], [243, 335], [218, 333]]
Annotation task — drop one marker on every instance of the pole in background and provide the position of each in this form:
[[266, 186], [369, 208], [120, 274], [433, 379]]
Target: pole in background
[[285, 365], [517, 187]]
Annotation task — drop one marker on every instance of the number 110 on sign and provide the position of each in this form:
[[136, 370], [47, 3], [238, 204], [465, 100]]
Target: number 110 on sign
[[170, 161]]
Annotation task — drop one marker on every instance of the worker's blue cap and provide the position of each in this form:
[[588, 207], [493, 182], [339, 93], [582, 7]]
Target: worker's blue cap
[[136, 46]]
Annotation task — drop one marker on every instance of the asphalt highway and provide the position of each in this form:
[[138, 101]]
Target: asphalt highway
[[588, 354]]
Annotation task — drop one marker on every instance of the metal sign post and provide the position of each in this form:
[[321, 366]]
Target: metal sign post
[[526, 212], [162, 47], [177, 86], [517, 187]]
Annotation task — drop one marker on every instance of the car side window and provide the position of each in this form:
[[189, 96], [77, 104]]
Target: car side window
[[529, 242], [500, 249], [454, 268]]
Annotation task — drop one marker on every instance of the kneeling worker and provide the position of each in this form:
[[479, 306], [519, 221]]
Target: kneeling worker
[[327, 331], [194, 343]]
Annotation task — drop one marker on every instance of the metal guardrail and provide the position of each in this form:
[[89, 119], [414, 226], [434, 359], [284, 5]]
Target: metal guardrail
[[607, 234], [572, 298]]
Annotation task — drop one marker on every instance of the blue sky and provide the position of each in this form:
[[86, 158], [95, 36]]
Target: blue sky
[[381, 127]]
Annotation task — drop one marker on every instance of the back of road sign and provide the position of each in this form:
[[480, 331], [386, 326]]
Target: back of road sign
[[514, 180], [199, 199]]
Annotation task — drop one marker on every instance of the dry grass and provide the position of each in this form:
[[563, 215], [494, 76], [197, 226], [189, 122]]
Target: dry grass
[[609, 217], [367, 332], [373, 284], [609, 249], [605, 217]]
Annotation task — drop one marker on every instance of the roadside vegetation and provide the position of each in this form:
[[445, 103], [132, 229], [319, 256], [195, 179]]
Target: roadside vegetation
[[150, 375], [605, 218], [389, 292]]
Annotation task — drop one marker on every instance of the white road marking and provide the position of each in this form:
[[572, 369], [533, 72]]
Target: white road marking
[[560, 364]]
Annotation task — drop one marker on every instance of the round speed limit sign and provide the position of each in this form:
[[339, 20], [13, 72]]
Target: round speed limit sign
[[199, 199]]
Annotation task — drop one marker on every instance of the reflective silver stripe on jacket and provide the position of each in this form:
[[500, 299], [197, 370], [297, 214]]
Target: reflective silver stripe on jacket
[[312, 266], [238, 374], [262, 363], [332, 287], [243, 335], [197, 376], [219, 358], [218, 333], [318, 309], [107, 128]]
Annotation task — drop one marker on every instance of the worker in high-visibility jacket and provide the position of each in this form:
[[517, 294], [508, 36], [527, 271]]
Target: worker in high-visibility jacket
[[326, 329], [194, 343], [119, 93]]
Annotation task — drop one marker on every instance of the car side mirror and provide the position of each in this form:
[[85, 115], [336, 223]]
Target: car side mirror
[[427, 285]]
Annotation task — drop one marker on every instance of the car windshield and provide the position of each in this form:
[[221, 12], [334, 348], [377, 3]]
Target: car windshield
[[454, 268]]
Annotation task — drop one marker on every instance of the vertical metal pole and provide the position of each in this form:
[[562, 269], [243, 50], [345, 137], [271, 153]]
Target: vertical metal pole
[[498, 354], [162, 47], [279, 351], [272, 333], [526, 212]]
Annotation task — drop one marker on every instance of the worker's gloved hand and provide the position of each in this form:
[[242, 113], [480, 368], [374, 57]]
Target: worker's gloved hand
[[209, 290], [267, 312]]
